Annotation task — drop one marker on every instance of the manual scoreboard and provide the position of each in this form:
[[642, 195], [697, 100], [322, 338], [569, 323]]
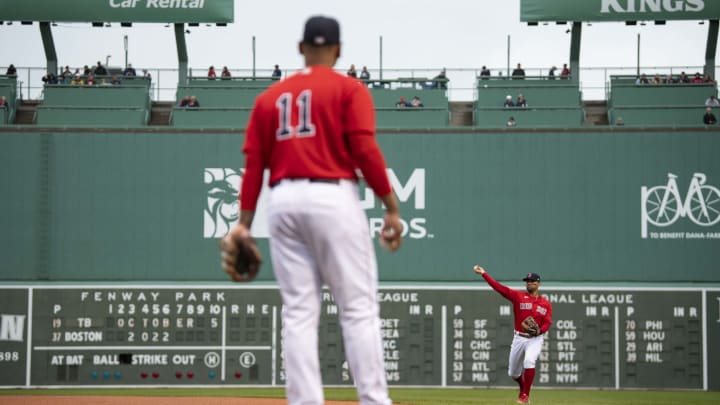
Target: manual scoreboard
[[115, 335]]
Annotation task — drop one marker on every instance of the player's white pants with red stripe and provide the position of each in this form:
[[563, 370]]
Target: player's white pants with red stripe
[[319, 235], [524, 352]]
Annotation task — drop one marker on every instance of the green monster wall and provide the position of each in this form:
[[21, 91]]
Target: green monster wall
[[573, 206]]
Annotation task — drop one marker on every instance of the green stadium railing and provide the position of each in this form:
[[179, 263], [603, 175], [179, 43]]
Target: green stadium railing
[[242, 81], [91, 116], [626, 95], [210, 117], [530, 117], [653, 115], [101, 96], [545, 95]]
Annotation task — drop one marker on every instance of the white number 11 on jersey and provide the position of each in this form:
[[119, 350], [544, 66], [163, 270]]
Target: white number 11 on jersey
[[305, 126]]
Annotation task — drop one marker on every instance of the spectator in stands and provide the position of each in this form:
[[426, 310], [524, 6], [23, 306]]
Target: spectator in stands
[[277, 73], [669, 79], [66, 75], [712, 101], [709, 117], [683, 78], [129, 71], [402, 103], [484, 73], [511, 122], [146, 74], [100, 70], [90, 80], [86, 70], [184, 102], [116, 81], [656, 79], [11, 71], [364, 74], [225, 74], [565, 73], [211, 73], [508, 102], [708, 79], [194, 103], [50, 78], [3, 103], [642, 80], [551, 73], [521, 102], [416, 102], [518, 73], [352, 72], [77, 80], [619, 121], [697, 79], [440, 81]]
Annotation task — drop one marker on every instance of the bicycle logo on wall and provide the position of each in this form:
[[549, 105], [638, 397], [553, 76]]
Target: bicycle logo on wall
[[662, 206]]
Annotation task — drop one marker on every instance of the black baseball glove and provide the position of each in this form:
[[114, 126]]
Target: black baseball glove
[[241, 257]]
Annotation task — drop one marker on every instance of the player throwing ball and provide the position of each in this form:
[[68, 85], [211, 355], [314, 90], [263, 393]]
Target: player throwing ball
[[533, 317]]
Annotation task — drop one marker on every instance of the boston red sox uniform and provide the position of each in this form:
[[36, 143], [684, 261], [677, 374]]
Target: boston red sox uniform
[[525, 348], [312, 130]]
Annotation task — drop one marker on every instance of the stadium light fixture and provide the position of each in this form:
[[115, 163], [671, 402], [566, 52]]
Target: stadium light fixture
[[107, 25], [2, 22], [97, 24], [630, 22], [26, 22], [659, 22], [701, 22], [642, 23], [126, 24], [193, 24], [560, 22], [9, 23], [221, 24], [532, 24]]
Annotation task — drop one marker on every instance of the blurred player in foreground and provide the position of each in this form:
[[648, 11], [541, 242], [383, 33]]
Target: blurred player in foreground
[[533, 317], [312, 130]]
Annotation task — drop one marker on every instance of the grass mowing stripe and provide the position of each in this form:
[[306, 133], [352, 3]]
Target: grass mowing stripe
[[423, 396]]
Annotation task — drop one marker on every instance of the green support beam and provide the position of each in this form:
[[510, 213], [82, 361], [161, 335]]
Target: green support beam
[[576, 35], [182, 53], [49, 45], [711, 48]]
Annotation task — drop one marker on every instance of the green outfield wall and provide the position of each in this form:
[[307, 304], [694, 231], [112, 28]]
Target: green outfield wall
[[573, 206]]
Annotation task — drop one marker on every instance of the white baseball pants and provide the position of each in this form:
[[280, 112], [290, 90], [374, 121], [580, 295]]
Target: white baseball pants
[[319, 236], [524, 352]]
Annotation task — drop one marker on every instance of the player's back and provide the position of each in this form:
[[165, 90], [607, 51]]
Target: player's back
[[303, 122]]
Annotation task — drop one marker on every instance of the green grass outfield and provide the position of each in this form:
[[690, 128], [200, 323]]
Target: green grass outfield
[[425, 396]]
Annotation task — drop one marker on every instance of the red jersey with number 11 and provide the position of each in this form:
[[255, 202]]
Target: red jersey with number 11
[[316, 123]]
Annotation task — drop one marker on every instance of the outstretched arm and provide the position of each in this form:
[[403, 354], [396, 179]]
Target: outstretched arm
[[503, 290]]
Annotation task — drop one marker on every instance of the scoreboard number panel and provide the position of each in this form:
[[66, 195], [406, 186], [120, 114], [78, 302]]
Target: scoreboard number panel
[[115, 335]]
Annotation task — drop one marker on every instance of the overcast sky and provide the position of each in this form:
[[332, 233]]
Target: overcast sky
[[419, 34]]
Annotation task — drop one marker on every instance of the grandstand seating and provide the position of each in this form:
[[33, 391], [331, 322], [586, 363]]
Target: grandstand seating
[[423, 117], [433, 114], [210, 117], [126, 105], [8, 88], [662, 104], [551, 103], [92, 116], [529, 117]]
